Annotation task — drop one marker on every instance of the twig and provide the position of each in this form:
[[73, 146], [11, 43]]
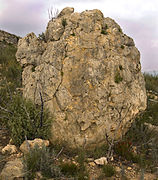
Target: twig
[[59, 153], [41, 116], [27, 143], [5, 109]]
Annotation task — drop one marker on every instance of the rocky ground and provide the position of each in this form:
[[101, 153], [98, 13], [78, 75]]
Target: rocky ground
[[4, 139], [124, 169]]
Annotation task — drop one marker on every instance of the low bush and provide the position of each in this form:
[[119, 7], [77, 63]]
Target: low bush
[[69, 169], [108, 170], [40, 159], [23, 118], [10, 68], [118, 77], [151, 82]]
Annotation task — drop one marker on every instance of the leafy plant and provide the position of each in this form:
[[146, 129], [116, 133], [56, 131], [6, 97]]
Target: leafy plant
[[120, 67], [118, 77], [64, 23], [122, 47], [40, 159], [124, 150], [108, 170], [42, 37], [82, 173], [98, 152], [120, 30], [69, 169], [151, 82], [10, 69], [73, 34], [104, 30], [24, 119]]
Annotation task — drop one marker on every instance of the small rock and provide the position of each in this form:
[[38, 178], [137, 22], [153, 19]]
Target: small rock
[[31, 144], [90, 159], [38, 175], [129, 168], [101, 161], [12, 170], [118, 169], [10, 149], [19, 155], [92, 164]]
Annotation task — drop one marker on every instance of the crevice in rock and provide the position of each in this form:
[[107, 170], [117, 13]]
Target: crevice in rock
[[62, 74]]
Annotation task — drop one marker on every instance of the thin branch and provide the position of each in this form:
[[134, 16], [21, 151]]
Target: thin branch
[[59, 153], [6, 110], [41, 116]]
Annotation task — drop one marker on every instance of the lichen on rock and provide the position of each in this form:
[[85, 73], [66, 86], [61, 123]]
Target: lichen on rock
[[89, 74]]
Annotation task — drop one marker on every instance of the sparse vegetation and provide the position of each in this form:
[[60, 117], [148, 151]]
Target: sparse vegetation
[[118, 77], [143, 138], [151, 82], [19, 115], [42, 37], [108, 170], [64, 23], [23, 118], [120, 30], [69, 169], [41, 160], [104, 30], [10, 69], [73, 34], [122, 47]]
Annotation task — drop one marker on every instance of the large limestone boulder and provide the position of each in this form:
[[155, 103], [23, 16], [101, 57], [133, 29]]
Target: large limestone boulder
[[89, 74]]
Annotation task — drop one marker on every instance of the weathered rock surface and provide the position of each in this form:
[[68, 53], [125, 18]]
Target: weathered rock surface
[[89, 74], [13, 170], [29, 144], [8, 38], [9, 149], [101, 161]]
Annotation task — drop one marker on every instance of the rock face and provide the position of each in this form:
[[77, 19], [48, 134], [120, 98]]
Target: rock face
[[8, 38], [13, 170], [30, 144], [89, 74]]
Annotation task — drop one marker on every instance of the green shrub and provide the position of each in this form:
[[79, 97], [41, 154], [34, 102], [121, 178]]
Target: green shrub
[[118, 77], [23, 118], [42, 37], [98, 152], [40, 159], [120, 30], [69, 169], [122, 47], [64, 23], [120, 67], [82, 172], [124, 150], [10, 68], [73, 34], [151, 82], [108, 170], [104, 30]]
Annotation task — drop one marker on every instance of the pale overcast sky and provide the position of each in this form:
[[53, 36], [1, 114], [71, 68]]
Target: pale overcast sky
[[137, 18]]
